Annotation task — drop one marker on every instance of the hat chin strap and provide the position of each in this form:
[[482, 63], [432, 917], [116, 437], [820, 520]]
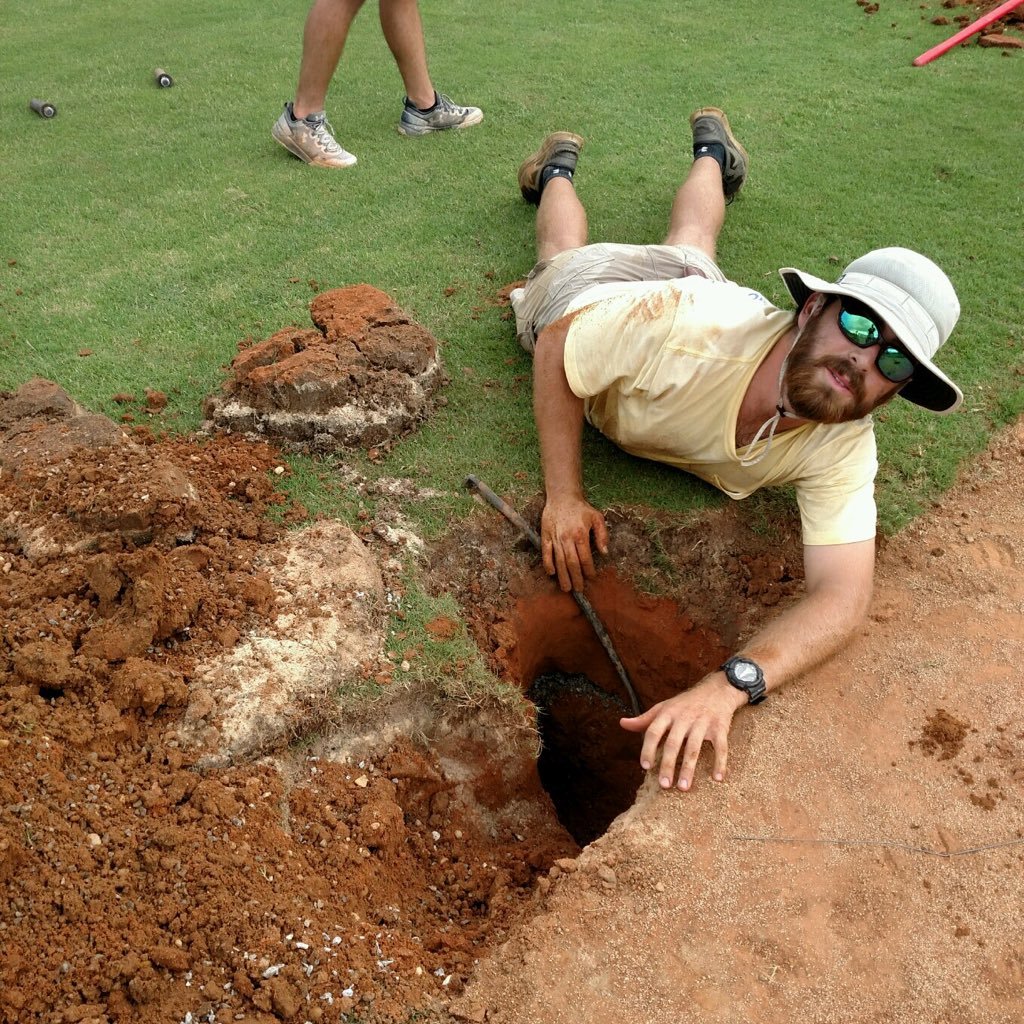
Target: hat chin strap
[[772, 422]]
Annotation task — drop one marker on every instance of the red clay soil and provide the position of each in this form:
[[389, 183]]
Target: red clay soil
[[363, 375], [145, 881], [138, 887]]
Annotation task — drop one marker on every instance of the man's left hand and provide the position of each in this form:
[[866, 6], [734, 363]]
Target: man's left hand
[[683, 724]]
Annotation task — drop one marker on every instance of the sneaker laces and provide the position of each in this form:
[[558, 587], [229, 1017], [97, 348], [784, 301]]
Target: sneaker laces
[[323, 133], [446, 104]]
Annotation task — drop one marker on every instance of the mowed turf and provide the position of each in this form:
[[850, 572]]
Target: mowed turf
[[157, 228]]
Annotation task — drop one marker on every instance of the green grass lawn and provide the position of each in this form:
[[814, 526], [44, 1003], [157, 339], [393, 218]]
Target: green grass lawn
[[157, 228]]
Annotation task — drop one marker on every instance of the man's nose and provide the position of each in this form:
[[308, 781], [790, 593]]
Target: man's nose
[[863, 358]]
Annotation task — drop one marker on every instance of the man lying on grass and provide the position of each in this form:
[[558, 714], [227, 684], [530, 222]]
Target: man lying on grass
[[658, 350]]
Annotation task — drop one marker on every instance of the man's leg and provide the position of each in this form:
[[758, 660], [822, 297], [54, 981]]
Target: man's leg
[[302, 127], [718, 171], [698, 211], [403, 31], [545, 178], [561, 219], [323, 41], [425, 110]]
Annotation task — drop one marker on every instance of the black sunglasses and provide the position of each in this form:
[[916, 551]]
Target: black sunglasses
[[860, 327]]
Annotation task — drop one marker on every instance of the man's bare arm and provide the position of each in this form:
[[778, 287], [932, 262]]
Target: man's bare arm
[[568, 519], [839, 582]]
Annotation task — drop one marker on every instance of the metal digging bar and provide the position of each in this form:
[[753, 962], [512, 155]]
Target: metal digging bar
[[477, 486]]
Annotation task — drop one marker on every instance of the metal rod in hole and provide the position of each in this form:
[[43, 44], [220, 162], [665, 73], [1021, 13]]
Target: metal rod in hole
[[43, 109], [477, 486]]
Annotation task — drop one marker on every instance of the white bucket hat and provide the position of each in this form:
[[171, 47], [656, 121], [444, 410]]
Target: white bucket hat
[[914, 297]]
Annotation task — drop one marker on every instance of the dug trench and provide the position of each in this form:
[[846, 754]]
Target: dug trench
[[716, 585], [189, 826], [588, 764]]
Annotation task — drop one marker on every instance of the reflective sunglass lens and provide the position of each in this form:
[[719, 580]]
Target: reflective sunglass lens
[[859, 329], [894, 365]]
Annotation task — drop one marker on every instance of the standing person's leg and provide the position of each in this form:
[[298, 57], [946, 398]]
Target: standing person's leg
[[402, 26], [302, 128], [323, 41], [718, 171], [425, 109]]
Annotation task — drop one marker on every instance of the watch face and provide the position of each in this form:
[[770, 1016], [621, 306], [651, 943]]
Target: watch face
[[745, 671]]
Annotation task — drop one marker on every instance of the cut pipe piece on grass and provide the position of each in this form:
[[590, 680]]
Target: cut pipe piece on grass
[[477, 486], [43, 109]]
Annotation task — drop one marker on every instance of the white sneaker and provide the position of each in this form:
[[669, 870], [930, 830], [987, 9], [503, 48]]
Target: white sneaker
[[444, 114], [310, 139]]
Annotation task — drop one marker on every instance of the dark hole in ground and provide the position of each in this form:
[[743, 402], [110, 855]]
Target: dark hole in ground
[[589, 764]]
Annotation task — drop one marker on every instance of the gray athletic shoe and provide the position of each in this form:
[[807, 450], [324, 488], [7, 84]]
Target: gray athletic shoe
[[710, 124], [310, 139], [559, 148], [443, 115]]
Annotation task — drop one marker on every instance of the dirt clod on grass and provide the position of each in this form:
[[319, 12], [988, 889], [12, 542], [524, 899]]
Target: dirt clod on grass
[[363, 375]]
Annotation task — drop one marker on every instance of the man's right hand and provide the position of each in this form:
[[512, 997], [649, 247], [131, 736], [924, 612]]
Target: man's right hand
[[566, 525]]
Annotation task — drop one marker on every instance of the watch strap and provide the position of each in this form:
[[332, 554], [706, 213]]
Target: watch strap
[[754, 689]]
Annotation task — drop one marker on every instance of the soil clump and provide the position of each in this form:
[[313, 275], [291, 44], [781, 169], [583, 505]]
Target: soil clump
[[363, 375]]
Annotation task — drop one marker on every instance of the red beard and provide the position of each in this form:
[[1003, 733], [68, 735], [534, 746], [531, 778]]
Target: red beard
[[809, 392]]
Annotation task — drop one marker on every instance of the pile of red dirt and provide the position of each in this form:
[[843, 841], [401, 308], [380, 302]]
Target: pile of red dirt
[[138, 886]]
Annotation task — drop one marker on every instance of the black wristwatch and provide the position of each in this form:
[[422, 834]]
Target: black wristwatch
[[745, 675]]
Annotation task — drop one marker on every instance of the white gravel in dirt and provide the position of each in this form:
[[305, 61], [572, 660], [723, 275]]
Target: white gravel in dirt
[[329, 594]]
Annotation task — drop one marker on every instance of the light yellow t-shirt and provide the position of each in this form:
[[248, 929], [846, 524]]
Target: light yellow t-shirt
[[662, 367]]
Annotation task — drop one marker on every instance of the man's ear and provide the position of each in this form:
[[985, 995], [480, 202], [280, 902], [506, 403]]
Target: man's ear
[[813, 305]]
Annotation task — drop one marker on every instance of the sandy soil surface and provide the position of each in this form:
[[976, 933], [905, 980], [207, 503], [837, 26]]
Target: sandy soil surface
[[864, 859]]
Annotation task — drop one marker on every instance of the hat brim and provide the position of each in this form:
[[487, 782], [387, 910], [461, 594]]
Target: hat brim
[[929, 387]]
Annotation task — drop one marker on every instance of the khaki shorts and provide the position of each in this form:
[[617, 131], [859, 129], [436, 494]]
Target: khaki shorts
[[553, 284]]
